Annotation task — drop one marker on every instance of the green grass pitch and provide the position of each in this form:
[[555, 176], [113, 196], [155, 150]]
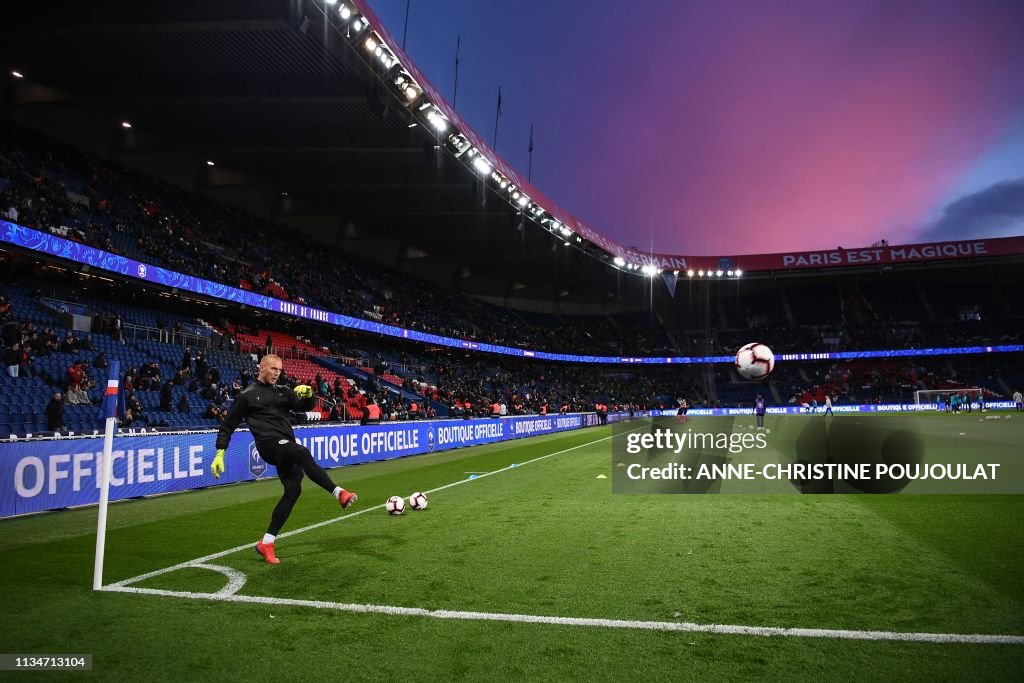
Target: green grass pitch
[[546, 538]]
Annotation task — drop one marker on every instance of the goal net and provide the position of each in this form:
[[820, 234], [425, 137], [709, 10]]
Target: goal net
[[936, 396]]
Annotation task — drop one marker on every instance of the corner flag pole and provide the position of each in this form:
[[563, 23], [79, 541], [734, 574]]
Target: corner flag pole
[[111, 400]]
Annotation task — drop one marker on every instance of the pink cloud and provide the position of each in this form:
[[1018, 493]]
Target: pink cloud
[[802, 132]]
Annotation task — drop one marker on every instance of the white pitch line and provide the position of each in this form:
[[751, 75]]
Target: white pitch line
[[236, 578], [239, 548], [686, 627]]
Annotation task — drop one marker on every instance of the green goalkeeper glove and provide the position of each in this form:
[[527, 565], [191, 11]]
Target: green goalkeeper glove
[[304, 391], [217, 468]]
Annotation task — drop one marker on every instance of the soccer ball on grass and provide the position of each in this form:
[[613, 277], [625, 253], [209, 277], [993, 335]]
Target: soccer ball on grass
[[417, 501], [395, 505]]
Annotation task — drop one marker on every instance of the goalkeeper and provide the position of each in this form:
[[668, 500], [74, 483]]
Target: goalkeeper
[[265, 406]]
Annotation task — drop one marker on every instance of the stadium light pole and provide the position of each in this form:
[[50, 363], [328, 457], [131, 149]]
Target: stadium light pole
[[458, 45], [497, 118], [529, 168], [405, 30]]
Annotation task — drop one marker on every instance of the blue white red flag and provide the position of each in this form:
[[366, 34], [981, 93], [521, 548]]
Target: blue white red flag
[[113, 397]]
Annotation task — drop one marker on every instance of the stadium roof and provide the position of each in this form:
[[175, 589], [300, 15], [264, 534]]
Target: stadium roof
[[299, 128]]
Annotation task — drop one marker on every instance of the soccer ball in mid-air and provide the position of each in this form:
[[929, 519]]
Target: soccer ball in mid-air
[[417, 501], [755, 361], [395, 505]]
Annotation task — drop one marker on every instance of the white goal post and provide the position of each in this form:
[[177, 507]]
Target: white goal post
[[932, 396]]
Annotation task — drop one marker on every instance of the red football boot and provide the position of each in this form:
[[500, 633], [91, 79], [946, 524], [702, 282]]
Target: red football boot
[[267, 551]]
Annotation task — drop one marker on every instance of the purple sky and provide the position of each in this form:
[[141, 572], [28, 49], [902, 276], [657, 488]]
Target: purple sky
[[742, 127]]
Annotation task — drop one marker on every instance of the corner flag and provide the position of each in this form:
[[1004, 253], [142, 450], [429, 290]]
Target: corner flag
[[113, 397], [113, 408]]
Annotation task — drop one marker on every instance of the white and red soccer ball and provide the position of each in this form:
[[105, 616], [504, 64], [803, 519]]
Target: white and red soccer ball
[[755, 361], [395, 505]]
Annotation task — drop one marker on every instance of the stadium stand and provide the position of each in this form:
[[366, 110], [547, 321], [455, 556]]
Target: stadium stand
[[54, 187]]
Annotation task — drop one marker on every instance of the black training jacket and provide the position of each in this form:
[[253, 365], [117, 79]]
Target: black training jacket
[[264, 407]]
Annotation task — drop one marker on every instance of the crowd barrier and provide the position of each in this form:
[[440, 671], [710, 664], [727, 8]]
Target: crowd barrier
[[837, 409], [50, 474]]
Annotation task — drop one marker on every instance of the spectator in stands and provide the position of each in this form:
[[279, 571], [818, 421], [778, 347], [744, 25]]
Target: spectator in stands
[[37, 343], [183, 406], [5, 309], [87, 381], [55, 413], [70, 344], [166, 396], [201, 365], [337, 413], [131, 402], [51, 341], [25, 360], [74, 376], [151, 376], [128, 418], [12, 359], [215, 412], [372, 412], [78, 396], [100, 361], [186, 359]]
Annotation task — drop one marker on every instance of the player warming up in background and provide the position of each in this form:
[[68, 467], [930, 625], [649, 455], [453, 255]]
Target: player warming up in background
[[684, 407], [265, 406]]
